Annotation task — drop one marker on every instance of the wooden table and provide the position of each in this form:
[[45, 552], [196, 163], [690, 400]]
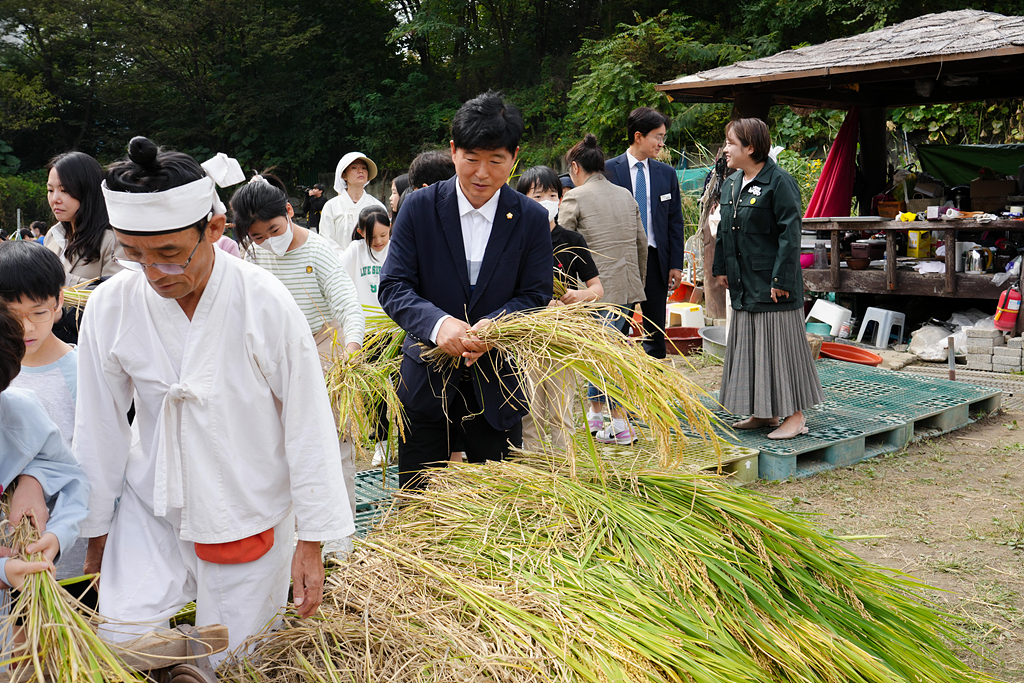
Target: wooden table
[[893, 281]]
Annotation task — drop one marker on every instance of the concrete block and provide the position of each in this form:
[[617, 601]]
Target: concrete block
[[1015, 342], [979, 357], [975, 365], [983, 334], [1007, 352], [1012, 365], [978, 349], [981, 341]]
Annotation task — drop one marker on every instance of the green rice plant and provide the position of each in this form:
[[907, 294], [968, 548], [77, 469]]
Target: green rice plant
[[541, 570]]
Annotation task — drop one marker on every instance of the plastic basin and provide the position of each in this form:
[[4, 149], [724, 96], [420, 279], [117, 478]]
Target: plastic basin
[[824, 329], [850, 354], [715, 339], [681, 341]]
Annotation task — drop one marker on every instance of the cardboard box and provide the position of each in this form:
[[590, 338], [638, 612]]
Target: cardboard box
[[992, 188], [921, 205], [919, 243]]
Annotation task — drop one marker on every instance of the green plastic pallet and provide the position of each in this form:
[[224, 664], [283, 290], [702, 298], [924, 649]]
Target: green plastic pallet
[[867, 412]]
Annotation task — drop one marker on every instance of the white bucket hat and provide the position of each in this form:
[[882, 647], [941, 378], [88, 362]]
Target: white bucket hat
[[339, 183]]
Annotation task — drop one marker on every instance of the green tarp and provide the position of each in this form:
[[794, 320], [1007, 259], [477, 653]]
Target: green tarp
[[959, 164]]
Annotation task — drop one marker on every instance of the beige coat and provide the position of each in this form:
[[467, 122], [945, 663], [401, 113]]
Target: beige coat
[[608, 218], [79, 271]]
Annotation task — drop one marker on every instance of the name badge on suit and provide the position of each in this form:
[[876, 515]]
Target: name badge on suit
[[666, 197]]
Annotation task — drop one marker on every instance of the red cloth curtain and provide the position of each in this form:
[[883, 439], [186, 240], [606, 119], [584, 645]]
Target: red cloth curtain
[[834, 191]]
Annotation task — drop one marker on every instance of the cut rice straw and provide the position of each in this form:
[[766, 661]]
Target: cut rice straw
[[56, 634], [544, 342], [515, 572]]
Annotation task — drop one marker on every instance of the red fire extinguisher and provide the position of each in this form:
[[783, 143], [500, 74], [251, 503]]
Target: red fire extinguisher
[[1009, 306]]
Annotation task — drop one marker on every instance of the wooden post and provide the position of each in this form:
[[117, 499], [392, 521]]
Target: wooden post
[[950, 240], [951, 347], [752, 105], [890, 260], [835, 257], [873, 167]]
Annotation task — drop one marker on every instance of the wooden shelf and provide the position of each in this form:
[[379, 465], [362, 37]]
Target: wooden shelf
[[909, 283]]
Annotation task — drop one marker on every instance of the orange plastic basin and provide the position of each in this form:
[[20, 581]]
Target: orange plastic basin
[[851, 354]]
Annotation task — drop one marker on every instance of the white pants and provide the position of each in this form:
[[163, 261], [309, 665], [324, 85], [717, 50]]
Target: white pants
[[149, 574]]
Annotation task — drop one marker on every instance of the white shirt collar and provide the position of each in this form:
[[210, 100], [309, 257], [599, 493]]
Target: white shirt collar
[[633, 161], [487, 210]]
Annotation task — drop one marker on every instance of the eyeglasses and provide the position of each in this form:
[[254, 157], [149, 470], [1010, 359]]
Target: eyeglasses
[[660, 138], [40, 317], [166, 268]]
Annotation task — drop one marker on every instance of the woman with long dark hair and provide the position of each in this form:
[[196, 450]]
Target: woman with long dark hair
[[82, 236]]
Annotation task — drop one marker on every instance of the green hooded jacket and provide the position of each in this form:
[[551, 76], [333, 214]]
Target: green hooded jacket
[[758, 243]]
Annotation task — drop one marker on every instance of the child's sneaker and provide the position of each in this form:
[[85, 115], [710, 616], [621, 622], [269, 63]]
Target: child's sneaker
[[625, 437], [380, 454], [595, 421]]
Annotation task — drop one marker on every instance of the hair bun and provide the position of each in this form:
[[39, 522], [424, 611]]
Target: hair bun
[[143, 151], [589, 140]]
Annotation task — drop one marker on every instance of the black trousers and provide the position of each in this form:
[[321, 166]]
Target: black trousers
[[656, 289], [430, 444]]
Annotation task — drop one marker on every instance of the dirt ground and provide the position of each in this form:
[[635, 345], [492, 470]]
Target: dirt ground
[[948, 511]]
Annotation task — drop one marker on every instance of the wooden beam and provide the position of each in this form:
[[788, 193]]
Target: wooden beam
[[872, 156], [911, 283], [890, 261], [949, 237], [835, 257], [749, 105]]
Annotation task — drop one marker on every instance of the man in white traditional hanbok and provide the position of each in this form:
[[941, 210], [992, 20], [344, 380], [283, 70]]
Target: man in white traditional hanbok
[[238, 445]]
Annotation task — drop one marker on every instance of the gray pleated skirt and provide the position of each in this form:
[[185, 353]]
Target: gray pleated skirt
[[769, 371]]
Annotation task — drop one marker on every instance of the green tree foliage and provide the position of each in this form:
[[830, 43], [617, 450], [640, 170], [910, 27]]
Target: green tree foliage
[[297, 83], [19, 193]]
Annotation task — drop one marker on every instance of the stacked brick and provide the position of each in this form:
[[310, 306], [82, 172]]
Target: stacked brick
[[990, 350]]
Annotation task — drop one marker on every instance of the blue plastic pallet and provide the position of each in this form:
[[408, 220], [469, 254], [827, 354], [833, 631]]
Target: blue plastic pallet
[[867, 412]]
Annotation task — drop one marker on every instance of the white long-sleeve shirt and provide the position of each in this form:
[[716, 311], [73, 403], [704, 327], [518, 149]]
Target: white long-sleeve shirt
[[340, 216], [364, 269], [235, 424]]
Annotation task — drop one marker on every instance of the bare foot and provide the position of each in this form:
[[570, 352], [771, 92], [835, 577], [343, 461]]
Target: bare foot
[[756, 422]]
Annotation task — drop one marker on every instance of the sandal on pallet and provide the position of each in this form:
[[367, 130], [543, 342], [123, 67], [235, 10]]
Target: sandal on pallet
[[779, 434]]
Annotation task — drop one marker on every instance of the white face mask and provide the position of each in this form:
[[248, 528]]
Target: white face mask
[[552, 206], [278, 244]]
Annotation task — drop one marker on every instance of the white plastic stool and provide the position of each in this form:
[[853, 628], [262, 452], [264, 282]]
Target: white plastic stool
[[830, 314], [884, 321]]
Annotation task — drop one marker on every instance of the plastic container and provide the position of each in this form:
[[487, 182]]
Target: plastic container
[[820, 255], [681, 341], [715, 340], [824, 329], [681, 314], [850, 354]]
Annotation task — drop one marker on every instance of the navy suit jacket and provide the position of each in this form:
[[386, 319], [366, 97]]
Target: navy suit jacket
[[666, 216], [425, 277]]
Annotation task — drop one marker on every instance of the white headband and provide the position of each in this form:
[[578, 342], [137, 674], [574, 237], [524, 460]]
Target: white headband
[[176, 208]]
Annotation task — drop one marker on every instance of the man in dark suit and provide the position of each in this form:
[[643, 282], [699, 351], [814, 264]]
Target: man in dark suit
[[462, 252], [656, 188]]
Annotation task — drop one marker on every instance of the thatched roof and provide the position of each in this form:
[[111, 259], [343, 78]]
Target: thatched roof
[[952, 48]]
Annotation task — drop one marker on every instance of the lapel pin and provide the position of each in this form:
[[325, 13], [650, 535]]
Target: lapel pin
[[508, 215]]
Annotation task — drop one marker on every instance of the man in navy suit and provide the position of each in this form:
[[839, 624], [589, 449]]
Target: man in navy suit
[[656, 188], [464, 251]]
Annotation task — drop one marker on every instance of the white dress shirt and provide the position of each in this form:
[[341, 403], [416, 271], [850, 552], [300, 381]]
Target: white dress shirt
[[476, 231], [647, 177]]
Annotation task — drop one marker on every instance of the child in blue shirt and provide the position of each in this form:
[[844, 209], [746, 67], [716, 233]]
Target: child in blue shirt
[[33, 453], [31, 279]]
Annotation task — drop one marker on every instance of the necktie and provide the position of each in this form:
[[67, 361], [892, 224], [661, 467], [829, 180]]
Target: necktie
[[641, 193]]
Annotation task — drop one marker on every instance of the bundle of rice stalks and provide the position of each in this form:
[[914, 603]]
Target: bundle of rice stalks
[[383, 339], [47, 635], [611, 575], [544, 342], [357, 385], [77, 296]]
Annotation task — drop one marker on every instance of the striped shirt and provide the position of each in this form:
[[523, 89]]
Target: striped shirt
[[318, 282]]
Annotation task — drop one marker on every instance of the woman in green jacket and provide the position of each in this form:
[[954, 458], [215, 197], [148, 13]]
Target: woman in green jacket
[[769, 372]]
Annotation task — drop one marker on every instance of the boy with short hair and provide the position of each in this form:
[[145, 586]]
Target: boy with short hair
[[31, 279], [37, 457]]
